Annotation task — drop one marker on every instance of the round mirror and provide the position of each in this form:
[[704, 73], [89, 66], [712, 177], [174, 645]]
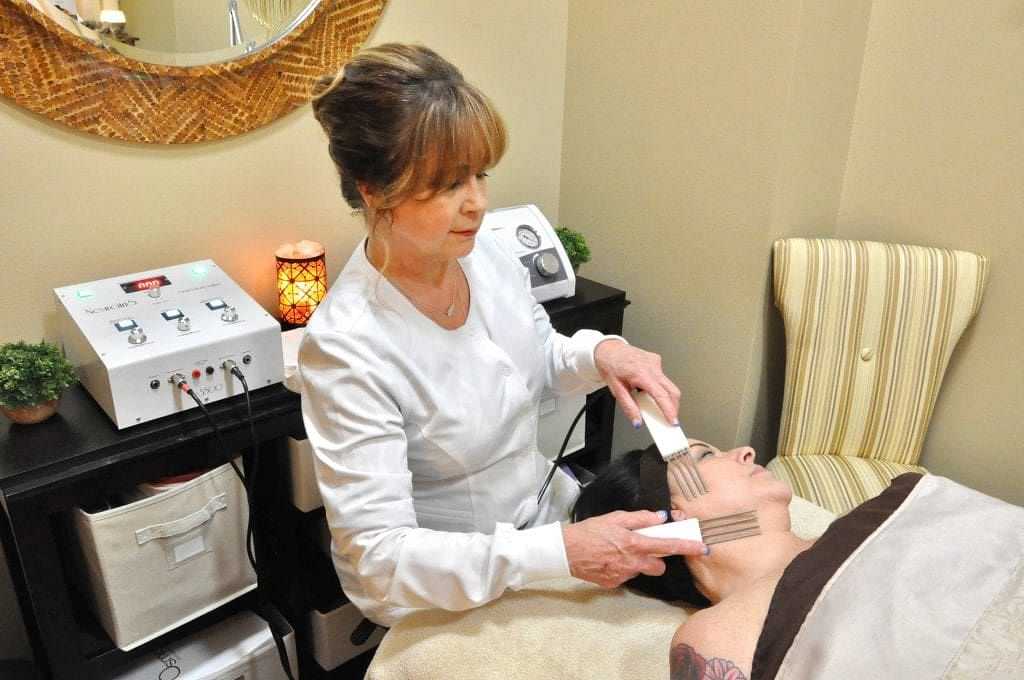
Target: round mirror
[[150, 71], [180, 32]]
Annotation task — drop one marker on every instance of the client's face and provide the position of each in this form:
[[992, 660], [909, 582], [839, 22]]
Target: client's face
[[735, 483]]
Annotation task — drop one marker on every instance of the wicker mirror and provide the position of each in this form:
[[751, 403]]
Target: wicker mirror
[[76, 73]]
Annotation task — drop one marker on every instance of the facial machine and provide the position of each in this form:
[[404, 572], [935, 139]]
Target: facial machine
[[135, 338], [526, 233]]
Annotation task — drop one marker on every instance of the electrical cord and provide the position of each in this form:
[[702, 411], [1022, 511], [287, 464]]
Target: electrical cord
[[555, 463], [561, 453], [248, 483], [233, 368], [180, 382]]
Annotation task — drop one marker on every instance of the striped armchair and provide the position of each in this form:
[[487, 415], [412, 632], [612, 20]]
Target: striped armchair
[[870, 328]]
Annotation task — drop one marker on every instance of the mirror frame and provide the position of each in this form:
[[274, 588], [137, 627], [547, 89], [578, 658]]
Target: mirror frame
[[48, 70]]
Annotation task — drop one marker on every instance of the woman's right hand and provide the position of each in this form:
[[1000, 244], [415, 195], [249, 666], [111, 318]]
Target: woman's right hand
[[606, 551]]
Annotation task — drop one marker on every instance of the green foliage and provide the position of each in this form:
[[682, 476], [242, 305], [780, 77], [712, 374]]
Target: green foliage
[[33, 374], [575, 245]]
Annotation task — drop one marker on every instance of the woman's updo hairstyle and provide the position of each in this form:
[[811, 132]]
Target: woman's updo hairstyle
[[401, 120], [638, 480]]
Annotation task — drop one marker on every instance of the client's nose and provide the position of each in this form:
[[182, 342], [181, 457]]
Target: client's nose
[[743, 454]]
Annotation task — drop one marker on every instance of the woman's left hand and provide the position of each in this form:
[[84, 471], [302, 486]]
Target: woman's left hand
[[625, 368]]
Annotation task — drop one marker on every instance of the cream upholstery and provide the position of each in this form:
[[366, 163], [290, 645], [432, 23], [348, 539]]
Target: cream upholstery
[[870, 328], [564, 629]]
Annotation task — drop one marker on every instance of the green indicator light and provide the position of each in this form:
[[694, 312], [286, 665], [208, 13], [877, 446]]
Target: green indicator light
[[84, 294]]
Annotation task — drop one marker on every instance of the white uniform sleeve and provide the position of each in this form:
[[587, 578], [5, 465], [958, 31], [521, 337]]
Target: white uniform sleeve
[[356, 431], [569, 361]]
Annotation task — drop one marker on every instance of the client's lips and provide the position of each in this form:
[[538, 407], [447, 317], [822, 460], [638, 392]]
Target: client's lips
[[467, 232]]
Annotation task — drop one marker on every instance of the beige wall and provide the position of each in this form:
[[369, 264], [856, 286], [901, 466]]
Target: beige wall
[[937, 158], [77, 208], [696, 133]]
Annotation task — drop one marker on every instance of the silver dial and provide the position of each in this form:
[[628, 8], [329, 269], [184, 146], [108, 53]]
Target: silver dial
[[547, 265], [528, 236]]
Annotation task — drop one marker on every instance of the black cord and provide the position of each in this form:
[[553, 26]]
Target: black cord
[[282, 652], [224, 450], [561, 453], [250, 530], [216, 431], [248, 483]]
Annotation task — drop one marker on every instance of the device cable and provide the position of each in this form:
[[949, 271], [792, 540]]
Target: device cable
[[180, 382], [233, 368], [561, 453], [555, 463], [250, 531]]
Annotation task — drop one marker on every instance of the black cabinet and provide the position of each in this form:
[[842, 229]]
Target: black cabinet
[[78, 457]]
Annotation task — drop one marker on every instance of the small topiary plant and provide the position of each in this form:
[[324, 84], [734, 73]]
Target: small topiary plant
[[33, 374], [575, 246]]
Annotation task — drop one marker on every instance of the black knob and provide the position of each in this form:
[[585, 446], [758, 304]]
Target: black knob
[[154, 384], [247, 359]]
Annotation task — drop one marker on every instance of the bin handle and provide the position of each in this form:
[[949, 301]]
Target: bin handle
[[180, 526]]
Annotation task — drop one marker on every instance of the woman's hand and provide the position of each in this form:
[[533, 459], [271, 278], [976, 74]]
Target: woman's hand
[[625, 368], [604, 549]]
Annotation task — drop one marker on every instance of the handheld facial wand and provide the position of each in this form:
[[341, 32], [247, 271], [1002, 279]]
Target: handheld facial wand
[[673, 446], [708, 531]]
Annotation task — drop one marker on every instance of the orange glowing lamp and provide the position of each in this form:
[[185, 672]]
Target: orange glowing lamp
[[301, 280]]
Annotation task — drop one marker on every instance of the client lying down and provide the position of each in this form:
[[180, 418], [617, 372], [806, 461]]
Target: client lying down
[[924, 581]]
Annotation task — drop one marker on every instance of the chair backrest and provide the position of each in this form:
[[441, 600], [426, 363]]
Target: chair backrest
[[870, 328]]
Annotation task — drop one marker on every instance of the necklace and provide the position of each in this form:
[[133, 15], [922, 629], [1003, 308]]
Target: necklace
[[448, 311], [455, 298]]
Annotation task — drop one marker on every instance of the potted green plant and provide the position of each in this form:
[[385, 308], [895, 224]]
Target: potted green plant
[[575, 246], [32, 378]]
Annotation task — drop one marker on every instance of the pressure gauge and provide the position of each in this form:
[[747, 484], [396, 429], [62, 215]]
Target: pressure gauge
[[528, 236]]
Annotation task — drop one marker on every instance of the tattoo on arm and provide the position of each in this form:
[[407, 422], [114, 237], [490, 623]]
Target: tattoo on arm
[[685, 663]]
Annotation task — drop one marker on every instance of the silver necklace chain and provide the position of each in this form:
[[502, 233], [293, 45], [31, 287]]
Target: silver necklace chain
[[448, 312]]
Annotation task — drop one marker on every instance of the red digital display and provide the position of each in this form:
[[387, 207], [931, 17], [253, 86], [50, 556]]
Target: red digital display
[[145, 284]]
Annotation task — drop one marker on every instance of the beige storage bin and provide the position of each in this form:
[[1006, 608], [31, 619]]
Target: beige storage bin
[[305, 492], [331, 634], [159, 562]]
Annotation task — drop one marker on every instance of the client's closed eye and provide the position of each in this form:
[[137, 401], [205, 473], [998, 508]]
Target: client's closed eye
[[699, 454]]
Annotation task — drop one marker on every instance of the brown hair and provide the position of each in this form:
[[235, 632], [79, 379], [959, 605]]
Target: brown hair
[[401, 120]]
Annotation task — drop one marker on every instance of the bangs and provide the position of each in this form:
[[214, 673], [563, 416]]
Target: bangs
[[456, 135]]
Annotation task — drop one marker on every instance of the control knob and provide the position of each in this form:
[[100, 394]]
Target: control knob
[[546, 264], [230, 315], [184, 324], [154, 292], [136, 336]]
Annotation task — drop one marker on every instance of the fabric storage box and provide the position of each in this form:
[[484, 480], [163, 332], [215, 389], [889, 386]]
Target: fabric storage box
[[240, 648], [341, 634], [159, 562], [305, 492]]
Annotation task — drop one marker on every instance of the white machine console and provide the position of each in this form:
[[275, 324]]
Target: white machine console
[[128, 335], [527, 234]]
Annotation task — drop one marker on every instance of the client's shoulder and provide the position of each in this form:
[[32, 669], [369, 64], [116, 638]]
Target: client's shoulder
[[719, 642]]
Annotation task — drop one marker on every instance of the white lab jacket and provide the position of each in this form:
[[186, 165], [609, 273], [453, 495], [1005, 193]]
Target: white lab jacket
[[425, 439]]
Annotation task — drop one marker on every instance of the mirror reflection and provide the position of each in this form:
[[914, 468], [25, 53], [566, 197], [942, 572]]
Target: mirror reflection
[[180, 32]]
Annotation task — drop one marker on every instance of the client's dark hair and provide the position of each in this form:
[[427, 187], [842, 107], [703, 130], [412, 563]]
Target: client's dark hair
[[638, 480]]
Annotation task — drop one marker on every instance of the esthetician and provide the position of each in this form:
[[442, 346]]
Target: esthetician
[[423, 369]]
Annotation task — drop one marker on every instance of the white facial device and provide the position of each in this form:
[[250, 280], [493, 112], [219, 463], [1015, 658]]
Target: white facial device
[[526, 233], [129, 335]]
